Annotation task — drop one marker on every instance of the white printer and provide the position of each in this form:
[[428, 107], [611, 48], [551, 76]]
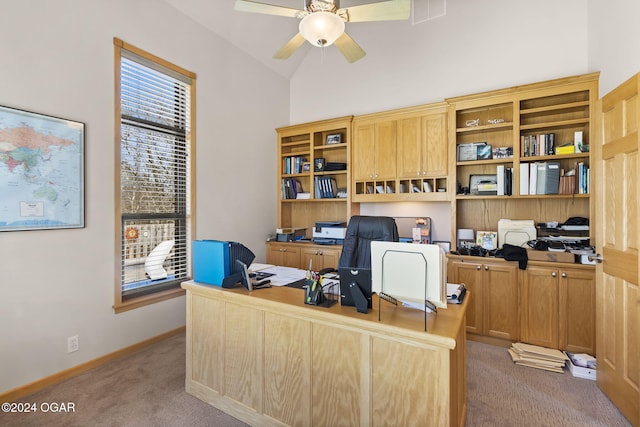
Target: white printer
[[329, 232]]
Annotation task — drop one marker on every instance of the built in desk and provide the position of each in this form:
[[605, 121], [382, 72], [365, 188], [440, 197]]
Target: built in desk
[[266, 358]]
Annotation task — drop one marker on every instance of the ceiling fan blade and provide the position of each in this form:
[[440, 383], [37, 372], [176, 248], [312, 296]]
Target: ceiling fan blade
[[349, 48], [392, 10], [291, 46], [268, 9]]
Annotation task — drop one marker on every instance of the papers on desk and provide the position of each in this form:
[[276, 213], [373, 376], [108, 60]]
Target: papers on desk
[[284, 275]]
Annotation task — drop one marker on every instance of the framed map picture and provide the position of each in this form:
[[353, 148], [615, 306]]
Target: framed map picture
[[41, 171]]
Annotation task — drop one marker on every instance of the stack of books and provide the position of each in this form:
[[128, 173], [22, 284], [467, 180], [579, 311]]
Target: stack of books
[[538, 357]]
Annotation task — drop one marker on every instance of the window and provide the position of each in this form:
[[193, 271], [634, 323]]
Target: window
[[153, 177]]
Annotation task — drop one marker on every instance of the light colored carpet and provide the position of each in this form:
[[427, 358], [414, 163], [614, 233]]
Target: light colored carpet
[[147, 389], [501, 393]]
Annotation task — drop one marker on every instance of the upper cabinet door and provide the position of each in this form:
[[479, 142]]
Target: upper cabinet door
[[422, 146], [385, 149], [363, 153], [411, 146], [435, 147]]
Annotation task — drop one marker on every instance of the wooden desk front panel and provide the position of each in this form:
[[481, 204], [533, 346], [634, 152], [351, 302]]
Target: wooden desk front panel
[[273, 363]]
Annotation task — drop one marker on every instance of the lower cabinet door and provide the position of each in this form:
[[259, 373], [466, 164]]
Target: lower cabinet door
[[500, 291], [539, 307]]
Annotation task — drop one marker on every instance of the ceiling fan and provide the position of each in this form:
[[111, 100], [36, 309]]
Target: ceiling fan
[[323, 22]]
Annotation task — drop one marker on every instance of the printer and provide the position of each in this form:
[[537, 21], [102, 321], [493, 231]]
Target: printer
[[329, 232]]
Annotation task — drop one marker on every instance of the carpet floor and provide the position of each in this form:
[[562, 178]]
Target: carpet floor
[[147, 389]]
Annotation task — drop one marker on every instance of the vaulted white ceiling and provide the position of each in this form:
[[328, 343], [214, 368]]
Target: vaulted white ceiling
[[262, 35]]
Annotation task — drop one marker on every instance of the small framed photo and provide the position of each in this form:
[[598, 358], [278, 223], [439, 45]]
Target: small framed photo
[[318, 164], [306, 167], [334, 138], [487, 239], [446, 246]]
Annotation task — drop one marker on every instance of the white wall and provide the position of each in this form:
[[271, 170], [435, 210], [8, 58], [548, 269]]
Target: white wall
[[614, 41], [57, 59], [478, 45]]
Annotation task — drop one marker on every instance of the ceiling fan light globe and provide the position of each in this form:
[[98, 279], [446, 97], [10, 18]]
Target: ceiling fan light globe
[[321, 28]]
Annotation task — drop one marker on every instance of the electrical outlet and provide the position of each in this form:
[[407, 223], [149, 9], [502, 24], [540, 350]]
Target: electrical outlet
[[73, 344]]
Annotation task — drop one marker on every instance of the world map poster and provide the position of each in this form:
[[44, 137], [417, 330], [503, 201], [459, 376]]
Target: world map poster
[[41, 171]]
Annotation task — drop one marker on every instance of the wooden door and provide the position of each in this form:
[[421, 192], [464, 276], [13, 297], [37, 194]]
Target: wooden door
[[539, 306], [617, 212], [500, 292]]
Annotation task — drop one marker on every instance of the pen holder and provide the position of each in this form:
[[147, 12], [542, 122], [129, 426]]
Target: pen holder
[[313, 292], [322, 296]]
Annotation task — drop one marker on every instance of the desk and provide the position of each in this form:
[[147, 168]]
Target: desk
[[267, 359]]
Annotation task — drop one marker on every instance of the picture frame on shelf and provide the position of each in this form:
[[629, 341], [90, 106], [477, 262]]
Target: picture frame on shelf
[[334, 138], [306, 167], [487, 239], [318, 164]]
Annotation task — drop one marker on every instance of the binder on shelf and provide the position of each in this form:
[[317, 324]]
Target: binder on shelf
[[500, 175], [533, 178], [541, 180], [524, 179]]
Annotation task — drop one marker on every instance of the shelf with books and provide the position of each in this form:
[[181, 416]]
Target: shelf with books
[[559, 111], [317, 152]]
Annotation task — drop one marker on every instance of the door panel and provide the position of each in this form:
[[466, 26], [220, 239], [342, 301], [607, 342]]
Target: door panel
[[616, 185]]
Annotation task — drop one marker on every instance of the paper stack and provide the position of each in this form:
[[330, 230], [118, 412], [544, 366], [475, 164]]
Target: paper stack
[[538, 357]]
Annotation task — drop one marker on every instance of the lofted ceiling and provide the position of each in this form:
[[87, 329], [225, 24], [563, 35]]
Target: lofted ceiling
[[262, 35]]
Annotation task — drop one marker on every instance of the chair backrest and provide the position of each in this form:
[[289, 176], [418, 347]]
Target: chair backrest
[[361, 231]]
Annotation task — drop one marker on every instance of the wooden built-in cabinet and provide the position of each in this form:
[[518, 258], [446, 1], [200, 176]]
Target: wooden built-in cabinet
[[547, 304], [493, 296], [284, 254], [401, 155], [298, 148], [298, 255], [320, 257], [374, 150], [506, 119], [558, 307]]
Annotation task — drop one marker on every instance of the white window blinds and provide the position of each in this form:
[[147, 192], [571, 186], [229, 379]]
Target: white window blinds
[[154, 175]]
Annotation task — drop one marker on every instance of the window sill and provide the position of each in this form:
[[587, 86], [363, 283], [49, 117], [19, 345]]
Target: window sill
[[144, 300]]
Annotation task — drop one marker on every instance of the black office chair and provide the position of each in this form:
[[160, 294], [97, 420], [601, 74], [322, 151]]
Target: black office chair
[[354, 265]]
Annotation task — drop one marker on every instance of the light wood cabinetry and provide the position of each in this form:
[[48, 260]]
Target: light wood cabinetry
[[493, 294], [539, 307], [284, 254], [422, 147], [505, 119], [320, 257], [302, 144], [547, 304], [298, 255], [267, 359], [558, 307], [375, 150], [401, 155]]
